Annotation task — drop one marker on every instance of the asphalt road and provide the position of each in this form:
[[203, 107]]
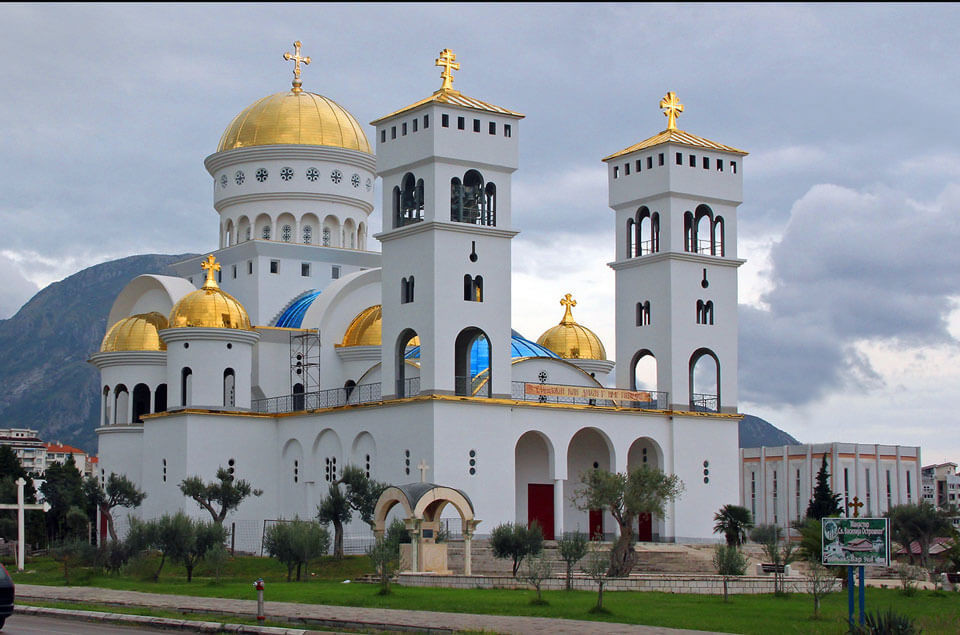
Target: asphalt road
[[35, 625]]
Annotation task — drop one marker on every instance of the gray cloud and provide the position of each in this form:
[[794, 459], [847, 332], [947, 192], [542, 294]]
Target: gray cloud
[[15, 289], [852, 266]]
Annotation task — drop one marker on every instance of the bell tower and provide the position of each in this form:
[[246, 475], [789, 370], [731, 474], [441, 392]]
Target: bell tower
[[675, 196], [446, 163]]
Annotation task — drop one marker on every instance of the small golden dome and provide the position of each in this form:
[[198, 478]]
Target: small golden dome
[[570, 340], [366, 329], [135, 333], [209, 306], [295, 117]]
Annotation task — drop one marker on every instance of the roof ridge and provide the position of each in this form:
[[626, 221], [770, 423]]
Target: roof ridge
[[681, 137]]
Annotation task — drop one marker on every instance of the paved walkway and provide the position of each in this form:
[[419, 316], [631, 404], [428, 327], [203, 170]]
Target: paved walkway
[[338, 616]]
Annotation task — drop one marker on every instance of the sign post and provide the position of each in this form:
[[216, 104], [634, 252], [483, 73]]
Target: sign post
[[856, 542], [20, 507]]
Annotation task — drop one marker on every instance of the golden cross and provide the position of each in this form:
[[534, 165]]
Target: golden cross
[[856, 505], [568, 302], [448, 61], [210, 265], [672, 108], [297, 58]]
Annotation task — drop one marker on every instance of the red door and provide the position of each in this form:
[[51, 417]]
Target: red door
[[596, 524], [645, 529], [540, 507]]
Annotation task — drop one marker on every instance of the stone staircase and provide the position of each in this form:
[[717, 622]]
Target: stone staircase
[[652, 558]]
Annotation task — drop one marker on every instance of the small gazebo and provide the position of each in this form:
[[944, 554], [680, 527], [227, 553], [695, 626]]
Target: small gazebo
[[422, 504]]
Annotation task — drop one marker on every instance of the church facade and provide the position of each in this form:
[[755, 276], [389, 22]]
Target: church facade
[[294, 349]]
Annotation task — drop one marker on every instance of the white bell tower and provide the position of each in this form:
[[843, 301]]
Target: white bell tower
[[676, 196], [446, 163]]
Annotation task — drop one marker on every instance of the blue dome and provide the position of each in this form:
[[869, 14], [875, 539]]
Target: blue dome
[[292, 317], [480, 352]]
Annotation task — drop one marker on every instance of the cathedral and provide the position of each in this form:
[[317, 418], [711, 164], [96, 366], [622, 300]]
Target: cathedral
[[295, 348]]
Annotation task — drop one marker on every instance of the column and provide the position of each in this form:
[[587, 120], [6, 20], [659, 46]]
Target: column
[[558, 500], [467, 541]]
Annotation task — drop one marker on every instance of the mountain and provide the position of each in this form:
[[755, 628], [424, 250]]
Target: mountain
[[48, 384], [50, 387], [756, 432]]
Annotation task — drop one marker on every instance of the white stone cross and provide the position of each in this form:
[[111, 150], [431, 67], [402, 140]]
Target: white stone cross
[[20, 506], [423, 467]]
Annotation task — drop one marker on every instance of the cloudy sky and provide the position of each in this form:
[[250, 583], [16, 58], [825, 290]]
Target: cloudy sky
[[851, 219]]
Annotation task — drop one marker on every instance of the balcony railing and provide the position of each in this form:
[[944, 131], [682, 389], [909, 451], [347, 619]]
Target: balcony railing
[[330, 398], [478, 386], [657, 401], [704, 402], [408, 387]]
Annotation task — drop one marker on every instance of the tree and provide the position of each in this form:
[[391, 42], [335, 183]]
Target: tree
[[780, 555], [120, 492], [219, 497], [296, 543], [596, 566], [572, 548], [734, 522], [625, 496], [729, 562], [63, 489], [820, 581], [538, 570], [811, 540], [824, 502], [516, 541], [71, 553], [921, 523], [335, 509], [384, 555], [206, 536]]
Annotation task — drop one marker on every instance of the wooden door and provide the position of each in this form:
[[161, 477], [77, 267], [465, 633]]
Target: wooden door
[[540, 507], [645, 528], [596, 524]]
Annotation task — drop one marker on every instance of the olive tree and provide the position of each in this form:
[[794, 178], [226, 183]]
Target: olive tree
[[219, 497]]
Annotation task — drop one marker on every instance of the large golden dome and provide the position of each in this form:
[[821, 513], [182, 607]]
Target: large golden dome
[[570, 340], [295, 117], [366, 329], [209, 306], [135, 333]]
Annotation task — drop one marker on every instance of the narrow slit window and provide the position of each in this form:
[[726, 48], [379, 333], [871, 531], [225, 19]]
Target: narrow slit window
[[507, 130], [426, 121], [492, 127], [626, 169], [403, 128], [393, 132], [662, 158], [476, 125], [650, 162], [639, 163], [693, 160], [706, 163], [416, 122], [733, 167], [616, 171], [383, 136], [461, 123], [445, 120], [719, 165], [679, 158]]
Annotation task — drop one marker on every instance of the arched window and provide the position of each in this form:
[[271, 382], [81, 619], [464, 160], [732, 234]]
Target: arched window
[[186, 386], [229, 388], [704, 381], [141, 402], [631, 229], [456, 200], [248, 233], [121, 403], [397, 218], [718, 236], [406, 290], [298, 398], [160, 398], [490, 206], [405, 387], [473, 198], [286, 233], [266, 232], [704, 311], [472, 288], [410, 203], [106, 405], [348, 387], [643, 376], [688, 238], [703, 231], [645, 232], [655, 232], [643, 313], [307, 234], [326, 236]]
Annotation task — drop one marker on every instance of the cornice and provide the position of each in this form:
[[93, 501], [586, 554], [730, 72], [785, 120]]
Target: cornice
[[128, 358], [219, 160], [324, 197], [426, 226], [358, 353], [713, 261], [183, 333]]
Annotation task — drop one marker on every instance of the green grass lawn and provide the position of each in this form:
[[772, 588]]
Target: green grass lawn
[[743, 614]]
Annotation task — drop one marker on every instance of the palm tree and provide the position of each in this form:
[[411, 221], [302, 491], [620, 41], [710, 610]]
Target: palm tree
[[733, 521]]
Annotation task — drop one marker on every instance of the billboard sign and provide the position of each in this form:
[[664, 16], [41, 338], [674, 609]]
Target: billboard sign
[[863, 542]]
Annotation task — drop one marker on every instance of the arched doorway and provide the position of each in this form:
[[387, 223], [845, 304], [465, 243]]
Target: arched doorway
[[646, 452], [141, 402], [160, 398], [469, 363], [704, 381], [534, 469], [121, 404], [406, 387], [643, 376], [588, 449]]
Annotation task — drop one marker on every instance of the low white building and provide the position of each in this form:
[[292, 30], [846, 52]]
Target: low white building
[[27, 445], [941, 485], [777, 483]]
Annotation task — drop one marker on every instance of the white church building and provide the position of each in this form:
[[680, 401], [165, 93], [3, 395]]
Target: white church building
[[295, 349]]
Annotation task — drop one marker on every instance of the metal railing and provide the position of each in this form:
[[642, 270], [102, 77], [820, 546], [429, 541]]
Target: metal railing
[[709, 248], [478, 386], [658, 399], [330, 398], [408, 387], [704, 402]]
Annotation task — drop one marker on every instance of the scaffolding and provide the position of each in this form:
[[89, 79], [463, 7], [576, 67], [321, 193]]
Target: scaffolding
[[305, 361]]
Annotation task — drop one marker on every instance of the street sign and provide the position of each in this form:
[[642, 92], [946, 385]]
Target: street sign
[[856, 541]]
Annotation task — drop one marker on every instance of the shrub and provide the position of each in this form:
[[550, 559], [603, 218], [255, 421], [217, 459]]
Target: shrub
[[729, 562], [516, 541], [887, 623], [572, 548], [909, 575], [596, 566], [384, 555], [72, 554], [397, 532], [295, 543], [538, 570]]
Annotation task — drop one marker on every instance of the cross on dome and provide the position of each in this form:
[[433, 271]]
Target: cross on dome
[[297, 58], [672, 108], [568, 302], [448, 61], [210, 265]]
